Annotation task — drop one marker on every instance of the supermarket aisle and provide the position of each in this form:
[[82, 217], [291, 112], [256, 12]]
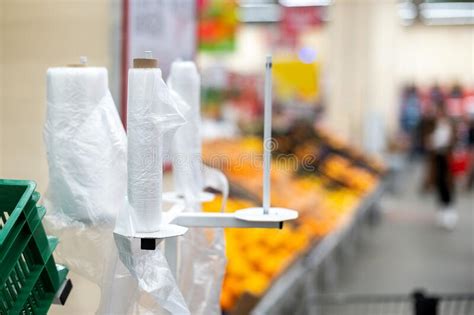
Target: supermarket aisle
[[407, 250]]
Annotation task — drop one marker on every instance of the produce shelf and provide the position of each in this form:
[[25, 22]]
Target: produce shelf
[[265, 266]]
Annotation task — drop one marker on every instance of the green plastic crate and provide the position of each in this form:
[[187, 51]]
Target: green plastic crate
[[29, 277]]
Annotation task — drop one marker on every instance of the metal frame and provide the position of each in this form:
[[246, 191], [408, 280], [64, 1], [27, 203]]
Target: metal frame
[[245, 218], [220, 220], [177, 221]]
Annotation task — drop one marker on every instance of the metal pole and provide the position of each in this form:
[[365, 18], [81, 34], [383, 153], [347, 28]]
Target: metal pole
[[267, 135]]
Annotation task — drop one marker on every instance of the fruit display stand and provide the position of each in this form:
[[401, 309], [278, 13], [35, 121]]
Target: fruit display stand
[[265, 266]]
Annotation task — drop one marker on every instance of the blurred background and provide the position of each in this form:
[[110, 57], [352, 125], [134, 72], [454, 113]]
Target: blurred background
[[361, 87]]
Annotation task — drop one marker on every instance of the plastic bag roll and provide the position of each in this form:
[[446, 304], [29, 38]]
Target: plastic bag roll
[[85, 143], [138, 276], [186, 147], [86, 150], [152, 111]]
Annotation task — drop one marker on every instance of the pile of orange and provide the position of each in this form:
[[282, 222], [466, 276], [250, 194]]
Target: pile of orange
[[257, 256], [341, 169]]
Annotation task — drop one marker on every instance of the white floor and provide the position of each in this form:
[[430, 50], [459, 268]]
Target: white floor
[[408, 251]]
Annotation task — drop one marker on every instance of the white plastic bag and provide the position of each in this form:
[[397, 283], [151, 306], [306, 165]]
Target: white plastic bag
[[86, 149], [202, 251]]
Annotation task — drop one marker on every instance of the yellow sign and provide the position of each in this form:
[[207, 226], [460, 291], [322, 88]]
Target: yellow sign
[[294, 79]]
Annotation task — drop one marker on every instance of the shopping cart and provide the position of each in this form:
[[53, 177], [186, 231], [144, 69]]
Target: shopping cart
[[418, 303]]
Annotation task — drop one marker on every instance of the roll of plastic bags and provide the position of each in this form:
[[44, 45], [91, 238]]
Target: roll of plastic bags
[[186, 145], [86, 151], [153, 111], [202, 260]]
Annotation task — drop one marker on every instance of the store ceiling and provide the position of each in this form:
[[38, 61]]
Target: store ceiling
[[437, 12], [428, 12], [268, 11]]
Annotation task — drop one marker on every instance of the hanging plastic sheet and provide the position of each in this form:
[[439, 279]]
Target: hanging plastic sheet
[[86, 150], [202, 251]]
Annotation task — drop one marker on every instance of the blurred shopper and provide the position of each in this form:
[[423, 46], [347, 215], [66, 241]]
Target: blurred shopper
[[441, 142], [426, 127], [456, 91], [470, 141], [436, 94], [410, 116]]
